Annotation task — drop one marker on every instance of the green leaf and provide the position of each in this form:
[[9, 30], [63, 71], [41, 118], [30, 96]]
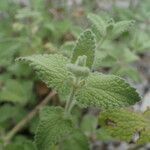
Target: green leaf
[[103, 60], [98, 23], [8, 49], [106, 91], [8, 112], [53, 127], [20, 143], [85, 46], [51, 69], [89, 124], [124, 124], [129, 56], [129, 72], [120, 27], [140, 42], [16, 91], [103, 135], [76, 141]]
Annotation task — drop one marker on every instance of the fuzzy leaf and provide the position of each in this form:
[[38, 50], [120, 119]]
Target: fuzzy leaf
[[21, 145], [76, 141], [124, 124], [51, 69], [120, 27], [99, 25], [89, 124], [85, 46], [20, 94], [53, 127], [106, 91]]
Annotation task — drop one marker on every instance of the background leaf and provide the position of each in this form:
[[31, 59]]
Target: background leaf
[[123, 124]]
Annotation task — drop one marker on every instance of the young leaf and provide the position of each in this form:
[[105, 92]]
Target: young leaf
[[98, 23], [106, 91], [85, 46], [124, 124], [120, 27], [53, 127], [51, 69]]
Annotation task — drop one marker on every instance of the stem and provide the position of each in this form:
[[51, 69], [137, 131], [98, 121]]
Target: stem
[[70, 101], [29, 117], [69, 104]]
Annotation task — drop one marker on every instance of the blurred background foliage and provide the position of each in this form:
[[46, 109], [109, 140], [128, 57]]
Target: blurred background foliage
[[51, 26]]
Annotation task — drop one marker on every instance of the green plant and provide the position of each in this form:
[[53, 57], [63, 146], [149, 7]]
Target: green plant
[[111, 53], [70, 73], [121, 124], [73, 79]]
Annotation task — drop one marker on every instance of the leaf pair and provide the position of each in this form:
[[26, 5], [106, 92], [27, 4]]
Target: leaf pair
[[104, 91]]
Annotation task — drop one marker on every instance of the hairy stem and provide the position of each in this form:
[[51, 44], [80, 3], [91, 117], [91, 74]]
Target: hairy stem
[[29, 117], [70, 100]]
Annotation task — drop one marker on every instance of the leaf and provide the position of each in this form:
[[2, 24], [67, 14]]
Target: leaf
[[129, 72], [7, 112], [8, 49], [10, 114], [106, 91], [51, 69], [85, 46], [66, 49], [53, 127], [19, 70], [129, 56], [76, 141], [140, 42], [16, 91], [88, 124], [120, 27], [103, 135], [98, 23], [144, 136], [103, 60], [21, 143], [124, 124]]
